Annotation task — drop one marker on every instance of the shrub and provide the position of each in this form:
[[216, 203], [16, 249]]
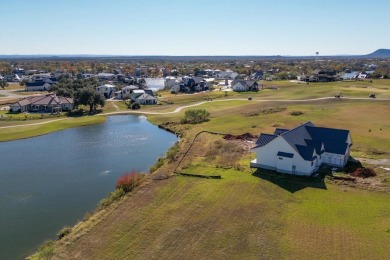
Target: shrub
[[173, 152], [129, 181], [63, 232], [157, 165], [112, 196], [296, 113], [135, 105], [195, 116]]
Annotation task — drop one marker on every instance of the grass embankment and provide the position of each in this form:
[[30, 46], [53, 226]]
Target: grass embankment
[[243, 215]]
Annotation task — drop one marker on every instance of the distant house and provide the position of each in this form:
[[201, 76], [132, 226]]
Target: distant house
[[228, 74], [39, 84], [321, 76], [107, 90], [127, 91], [302, 150], [257, 75], [245, 85], [143, 98], [43, 104], [106, 76], [176, 88], [171, 81]]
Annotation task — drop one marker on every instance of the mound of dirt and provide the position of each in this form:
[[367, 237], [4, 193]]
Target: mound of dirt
[[246, 136], [362, 172]]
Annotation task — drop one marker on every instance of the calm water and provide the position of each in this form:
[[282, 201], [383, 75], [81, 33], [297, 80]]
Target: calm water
[[51, 181], [155, 83]]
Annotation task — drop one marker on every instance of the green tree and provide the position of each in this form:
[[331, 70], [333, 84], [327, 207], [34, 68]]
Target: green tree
[[89, 97], [3, 84], [195, 116]]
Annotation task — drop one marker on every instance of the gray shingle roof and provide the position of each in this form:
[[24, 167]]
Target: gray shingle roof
[[308, 140]]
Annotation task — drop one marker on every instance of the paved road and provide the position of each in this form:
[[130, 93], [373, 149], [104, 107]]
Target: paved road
[[177, 110]]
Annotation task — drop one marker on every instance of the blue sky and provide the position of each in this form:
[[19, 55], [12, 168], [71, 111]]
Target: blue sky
[[179, 27]]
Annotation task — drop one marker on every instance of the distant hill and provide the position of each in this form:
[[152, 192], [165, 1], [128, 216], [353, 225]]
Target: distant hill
[[380, 53]]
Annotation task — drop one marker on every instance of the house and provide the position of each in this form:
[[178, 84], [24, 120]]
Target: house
[[303, 149], [106, 90], [143, 98], [171, 81], [106, 76], [49, 103], [39, 84], [257, 75], [176, 88], [126, 91], [240, 85], [321, 76]]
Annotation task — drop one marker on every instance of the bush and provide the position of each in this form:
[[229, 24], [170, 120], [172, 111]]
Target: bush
[[129, 181], [63, 232], [158, 164], [195, 116], [296, 113], [135, 106]]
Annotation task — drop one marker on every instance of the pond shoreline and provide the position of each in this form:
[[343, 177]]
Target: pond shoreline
[[104, 174]]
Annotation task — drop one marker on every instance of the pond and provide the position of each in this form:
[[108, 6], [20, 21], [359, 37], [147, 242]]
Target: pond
[[51, 181]]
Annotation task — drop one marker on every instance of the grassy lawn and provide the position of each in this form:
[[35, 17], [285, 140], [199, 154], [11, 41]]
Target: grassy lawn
[[13, 133]]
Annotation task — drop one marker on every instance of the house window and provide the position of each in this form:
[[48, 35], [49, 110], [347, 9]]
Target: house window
[[311, 163], [280, 158]]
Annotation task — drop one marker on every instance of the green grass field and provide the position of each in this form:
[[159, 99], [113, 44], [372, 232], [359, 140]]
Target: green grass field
[[12, 133], [243, 216]]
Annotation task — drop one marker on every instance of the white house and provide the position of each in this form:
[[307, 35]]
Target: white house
[[302, 150], [143, 98], [170, 82], [39, 85], [175, 88], [107, 90], [126, 91]]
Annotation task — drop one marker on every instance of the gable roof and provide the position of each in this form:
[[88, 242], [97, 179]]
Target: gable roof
[[279, 131], [47, 100], [145, 96], [264, 139], [308, 140], [334, 140]]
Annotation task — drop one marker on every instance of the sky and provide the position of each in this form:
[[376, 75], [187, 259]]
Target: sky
[[187, 27]]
